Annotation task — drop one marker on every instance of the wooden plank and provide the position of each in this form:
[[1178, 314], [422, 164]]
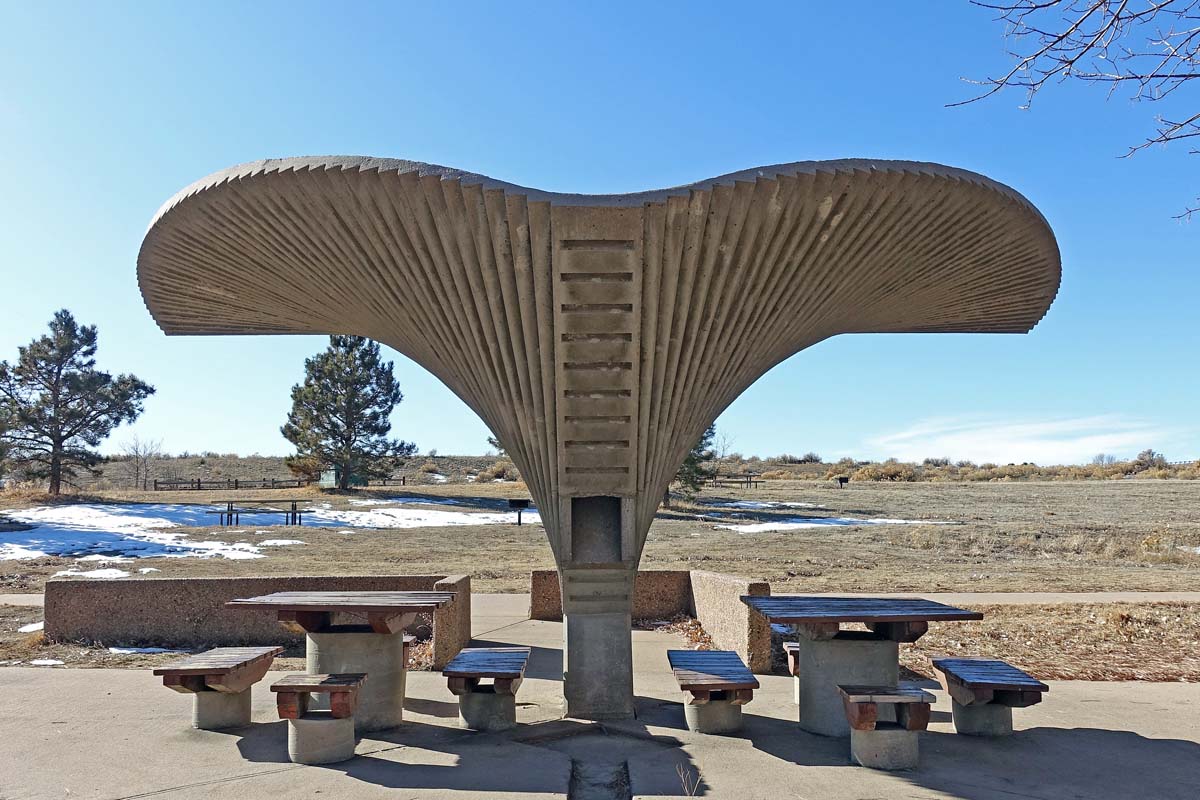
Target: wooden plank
[[488, 662], [713, 670], [240, 679], [218, 661], [461, 686], [304, 621], [903, 693], [360, 602], [988, 673], [789, 609], [291, 705], [900, 631], [913, 716], [342, 682], [861, 716], [343, 704]]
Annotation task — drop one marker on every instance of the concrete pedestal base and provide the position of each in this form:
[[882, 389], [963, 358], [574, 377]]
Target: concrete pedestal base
[[380, 656], [715, 716], [988, 719], [484, 710], [851, 657], [318, 738], [214, 711], [889, 746], [598, 661]]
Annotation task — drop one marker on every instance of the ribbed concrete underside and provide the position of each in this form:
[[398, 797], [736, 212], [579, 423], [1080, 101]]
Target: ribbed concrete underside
[[597, 336]]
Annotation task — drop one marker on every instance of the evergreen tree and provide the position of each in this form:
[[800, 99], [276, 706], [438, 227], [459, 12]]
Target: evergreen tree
[[692, 472], [340, 413], [55, 406]]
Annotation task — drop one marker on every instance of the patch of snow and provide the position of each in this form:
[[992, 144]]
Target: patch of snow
[[470, 479], [758, 505], [46, 662], [278, 542], [438, 477], [17, 552], [121, 651], [110, 573], [406, 498], [799, 523], [148, 570], [418, 518], [32, 627]]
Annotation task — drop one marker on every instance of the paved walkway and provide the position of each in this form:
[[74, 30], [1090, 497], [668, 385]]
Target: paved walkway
[[118, 734]]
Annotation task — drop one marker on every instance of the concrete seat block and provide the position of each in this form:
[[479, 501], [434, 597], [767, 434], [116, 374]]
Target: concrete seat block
[[320, 738], [986, 719], [888, 747], [485, 710], [215, 711], [715, 716]]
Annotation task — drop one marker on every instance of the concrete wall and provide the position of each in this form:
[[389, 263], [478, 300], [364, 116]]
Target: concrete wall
[[191, 611], [657, 594], [732, 624], [712, 598]]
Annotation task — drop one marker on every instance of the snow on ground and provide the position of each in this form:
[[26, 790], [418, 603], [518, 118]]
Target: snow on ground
[[101, 574], [798, 523], [758, 505], [409, 498], [110, 533], [32, 627], [123, 651], [437, 477], [45, 662]]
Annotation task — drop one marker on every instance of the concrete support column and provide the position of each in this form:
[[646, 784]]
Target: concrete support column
[[214, 711], [889, 746], [482, 709], [984, 719], [715, 716], [597, 648], [319, 738], [352, 648], [850, 657]]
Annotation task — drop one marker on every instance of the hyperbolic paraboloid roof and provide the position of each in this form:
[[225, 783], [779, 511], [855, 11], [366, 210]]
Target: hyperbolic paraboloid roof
[[597, 335]]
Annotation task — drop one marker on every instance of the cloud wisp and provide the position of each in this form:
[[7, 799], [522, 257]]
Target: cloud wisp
[[1070, 440]]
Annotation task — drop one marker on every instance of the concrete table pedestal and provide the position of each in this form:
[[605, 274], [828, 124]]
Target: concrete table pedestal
[[889, 746], [484, 709], [214, 711], [848, 657], [381, 656], [319, 738], [986, 719]]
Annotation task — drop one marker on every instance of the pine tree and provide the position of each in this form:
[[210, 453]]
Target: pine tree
[[692, 472], [340, 414], [55, 405]]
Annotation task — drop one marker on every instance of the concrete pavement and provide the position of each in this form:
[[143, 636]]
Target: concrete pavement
[[109, 734]]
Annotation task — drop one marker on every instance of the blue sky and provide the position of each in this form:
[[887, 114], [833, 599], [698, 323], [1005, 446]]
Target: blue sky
[[106, 111]]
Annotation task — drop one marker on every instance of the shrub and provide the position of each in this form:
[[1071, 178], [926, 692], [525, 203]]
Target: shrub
[[428, 467], [776, 475], [501, 470]]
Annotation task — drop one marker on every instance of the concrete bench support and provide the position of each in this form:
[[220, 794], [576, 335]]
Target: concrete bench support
[[491, 706], [849, 657], [215, 711], [318, 737], [885, 745], [716, 684]]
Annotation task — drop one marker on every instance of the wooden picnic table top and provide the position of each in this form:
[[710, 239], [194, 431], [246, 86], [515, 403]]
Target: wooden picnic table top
[[886, 694], [354, 602], [710, 670], [798, 609], [988, 673], [219, 661], [488, 662], [320, 684]]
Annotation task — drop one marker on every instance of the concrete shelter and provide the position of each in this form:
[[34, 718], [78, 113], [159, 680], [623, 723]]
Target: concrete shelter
[[597, 335]]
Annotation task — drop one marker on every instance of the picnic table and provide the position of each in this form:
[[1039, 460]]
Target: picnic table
[[827, 656], [355, 632], [231, 513]]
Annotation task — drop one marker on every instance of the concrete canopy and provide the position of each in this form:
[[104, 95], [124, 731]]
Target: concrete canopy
[[597, 335]]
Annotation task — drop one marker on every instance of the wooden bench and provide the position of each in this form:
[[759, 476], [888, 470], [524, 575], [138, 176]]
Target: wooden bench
[[984, 693], [718, 684], [493, 706], [220, 680], [886, 745], [294, 692], [321, 737]]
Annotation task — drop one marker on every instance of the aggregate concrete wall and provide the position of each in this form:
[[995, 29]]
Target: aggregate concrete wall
[[657, 594], [712, 598], [732, 624], [191, 611]]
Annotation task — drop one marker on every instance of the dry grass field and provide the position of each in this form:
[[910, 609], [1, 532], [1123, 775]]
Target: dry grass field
[[999, 537], [1007, 537]]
